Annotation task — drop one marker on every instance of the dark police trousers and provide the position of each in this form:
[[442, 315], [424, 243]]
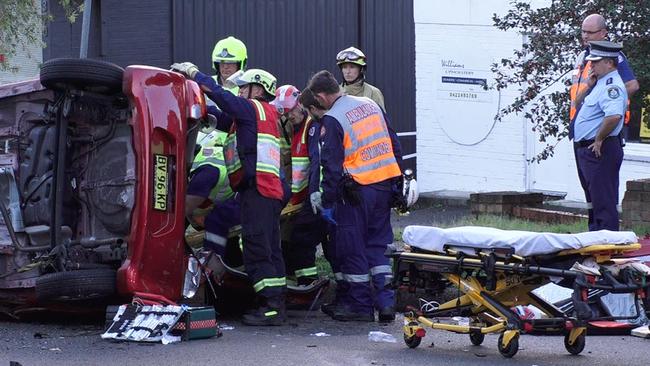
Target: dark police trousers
[[601, 177]]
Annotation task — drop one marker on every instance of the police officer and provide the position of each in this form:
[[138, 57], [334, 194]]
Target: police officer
[[352, 63], [594, 28], [307, 229], [359, 157], [252, 157], [597, 127]]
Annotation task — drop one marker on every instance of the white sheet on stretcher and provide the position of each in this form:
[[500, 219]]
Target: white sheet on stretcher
[[525, 243]]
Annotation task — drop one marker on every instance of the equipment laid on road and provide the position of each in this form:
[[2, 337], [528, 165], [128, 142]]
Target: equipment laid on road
[[496, 270], [161, 323]]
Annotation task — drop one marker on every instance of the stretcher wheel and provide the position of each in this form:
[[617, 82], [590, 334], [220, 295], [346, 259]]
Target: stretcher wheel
[[412, 341], [511, 349], [476, 338], [577, 346]]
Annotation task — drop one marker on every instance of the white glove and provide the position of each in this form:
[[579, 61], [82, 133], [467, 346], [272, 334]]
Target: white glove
[[186, 68], [316, 202], [231, 82], [411, 192]]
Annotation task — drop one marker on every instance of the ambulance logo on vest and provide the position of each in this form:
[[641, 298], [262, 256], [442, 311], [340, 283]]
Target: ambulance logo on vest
[[613, 93]]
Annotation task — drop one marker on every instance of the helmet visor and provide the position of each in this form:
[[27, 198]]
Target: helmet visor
[[348, 55]]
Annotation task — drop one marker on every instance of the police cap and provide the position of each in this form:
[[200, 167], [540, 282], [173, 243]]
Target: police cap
[[602, 49]]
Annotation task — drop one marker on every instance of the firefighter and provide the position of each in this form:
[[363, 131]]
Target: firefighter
[[228, 56], [306, 228], [352, 63], [316, 112], [359, 161], [209, 190], [208, 186], [252, 156]]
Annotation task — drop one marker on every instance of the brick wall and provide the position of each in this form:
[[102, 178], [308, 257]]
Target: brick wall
[[636, 203]]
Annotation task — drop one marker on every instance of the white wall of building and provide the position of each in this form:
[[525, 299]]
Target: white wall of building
[[459, 146]]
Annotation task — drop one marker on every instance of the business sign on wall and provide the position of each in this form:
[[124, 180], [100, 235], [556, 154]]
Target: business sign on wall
[[465, 108]]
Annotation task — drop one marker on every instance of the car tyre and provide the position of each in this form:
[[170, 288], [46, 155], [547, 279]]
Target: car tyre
[[85, 284], [82, 74]]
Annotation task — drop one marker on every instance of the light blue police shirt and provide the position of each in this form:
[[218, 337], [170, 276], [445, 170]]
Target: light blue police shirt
[[607, 98]]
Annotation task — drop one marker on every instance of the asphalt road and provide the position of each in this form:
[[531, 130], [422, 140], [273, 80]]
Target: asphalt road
[[77, 341], [296, 344]]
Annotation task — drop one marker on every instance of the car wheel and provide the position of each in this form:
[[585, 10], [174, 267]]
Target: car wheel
[[82, 74], [85, 284]]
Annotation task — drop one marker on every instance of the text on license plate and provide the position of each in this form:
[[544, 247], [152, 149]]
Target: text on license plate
[[160, 183]]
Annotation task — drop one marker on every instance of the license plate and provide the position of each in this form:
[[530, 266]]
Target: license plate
[[160, 182]]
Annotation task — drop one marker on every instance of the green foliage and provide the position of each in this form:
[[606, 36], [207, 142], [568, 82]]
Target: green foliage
[[506, 223], [72, 9], [21, 26], [548, 56]]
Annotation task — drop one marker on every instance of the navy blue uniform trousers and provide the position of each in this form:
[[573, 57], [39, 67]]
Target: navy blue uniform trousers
[[601, 177], [363, 232]]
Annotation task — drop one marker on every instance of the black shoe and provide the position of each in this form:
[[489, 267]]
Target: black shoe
[[387, 314], [329, 309], [264, 316], [347, 315]]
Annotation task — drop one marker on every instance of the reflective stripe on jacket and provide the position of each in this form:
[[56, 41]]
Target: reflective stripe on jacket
[[368, 148], [267, 151], [300, 163]]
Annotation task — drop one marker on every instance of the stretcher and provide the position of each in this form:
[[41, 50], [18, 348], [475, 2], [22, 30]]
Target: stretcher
[[495, 271]]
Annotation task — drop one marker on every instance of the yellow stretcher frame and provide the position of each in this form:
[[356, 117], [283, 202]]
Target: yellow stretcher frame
[[508, 291]]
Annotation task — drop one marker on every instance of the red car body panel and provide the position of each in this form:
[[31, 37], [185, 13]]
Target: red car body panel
[[162, 103]]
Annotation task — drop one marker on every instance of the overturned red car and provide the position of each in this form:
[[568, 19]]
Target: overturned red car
[[93, 169]]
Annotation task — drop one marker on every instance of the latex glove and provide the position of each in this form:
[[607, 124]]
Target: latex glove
[[316, 202], [186, 68], [328, 215]]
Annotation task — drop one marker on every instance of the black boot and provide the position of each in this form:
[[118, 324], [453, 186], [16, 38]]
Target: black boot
[[272, 312], [344, 314], [329, 308], [263, 316], [387, 314]]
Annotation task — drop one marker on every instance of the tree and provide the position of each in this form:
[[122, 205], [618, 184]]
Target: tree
[[21, 25], [548, 56]]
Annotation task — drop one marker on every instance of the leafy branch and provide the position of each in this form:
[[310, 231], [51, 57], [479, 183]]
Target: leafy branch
[[540, 69]]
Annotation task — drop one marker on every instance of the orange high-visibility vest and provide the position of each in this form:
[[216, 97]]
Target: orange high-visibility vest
[[267, 167], [579, 84], [300, 163], [368, 148]]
